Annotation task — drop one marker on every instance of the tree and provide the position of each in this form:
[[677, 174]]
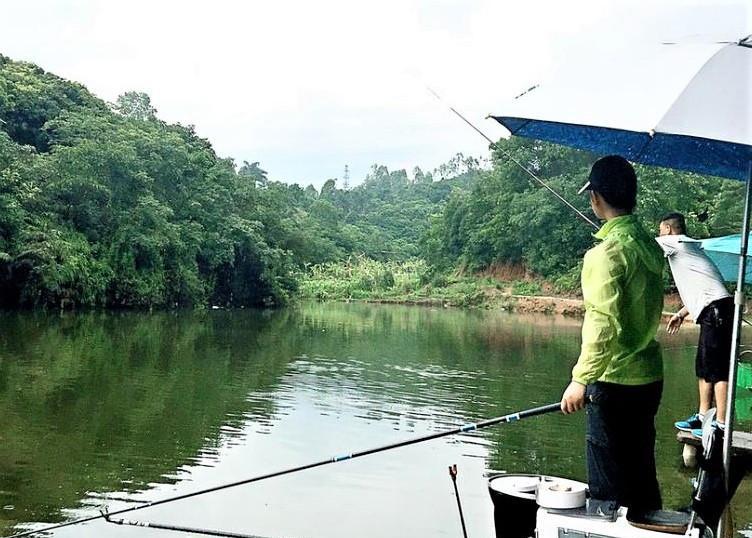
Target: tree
[[118, 208], [329, 188], [421, 177], [504, 217], [254, 173], [110, 206], [135, 106]]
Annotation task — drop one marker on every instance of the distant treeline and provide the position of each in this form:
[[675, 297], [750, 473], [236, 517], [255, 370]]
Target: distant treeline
[[506, 218], [104, 204]]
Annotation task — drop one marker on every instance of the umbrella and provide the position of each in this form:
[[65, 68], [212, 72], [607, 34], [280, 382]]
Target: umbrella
[[724, 252], [705, 127], [701, 124]]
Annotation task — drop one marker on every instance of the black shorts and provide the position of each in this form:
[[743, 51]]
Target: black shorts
[[714, 349]]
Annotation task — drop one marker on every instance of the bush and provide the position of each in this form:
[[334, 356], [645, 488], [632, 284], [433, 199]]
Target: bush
[[522, 287], [439, 281], [569, 282], [386, 280], [360, 277]]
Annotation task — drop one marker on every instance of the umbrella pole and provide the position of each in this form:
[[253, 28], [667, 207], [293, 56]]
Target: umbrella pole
[[735, 345]]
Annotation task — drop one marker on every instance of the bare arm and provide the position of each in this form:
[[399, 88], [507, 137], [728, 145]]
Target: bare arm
[[675, 323]]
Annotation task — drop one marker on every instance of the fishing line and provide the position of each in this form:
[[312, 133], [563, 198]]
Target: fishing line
[[512, 417], [509, 156]]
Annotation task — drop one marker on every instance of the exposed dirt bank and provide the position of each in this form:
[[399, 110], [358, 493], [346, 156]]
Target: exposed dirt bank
[[523, 304]]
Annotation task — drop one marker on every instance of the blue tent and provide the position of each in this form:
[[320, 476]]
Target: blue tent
[[724, 251]]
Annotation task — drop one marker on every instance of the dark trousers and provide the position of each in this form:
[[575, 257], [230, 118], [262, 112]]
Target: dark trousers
[[621, 444], [716, 332]]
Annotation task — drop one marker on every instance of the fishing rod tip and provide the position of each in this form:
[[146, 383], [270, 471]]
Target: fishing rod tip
[[436, 95]]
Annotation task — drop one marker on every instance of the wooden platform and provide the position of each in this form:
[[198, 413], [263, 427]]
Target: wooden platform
[[742, 446], [742, 441]]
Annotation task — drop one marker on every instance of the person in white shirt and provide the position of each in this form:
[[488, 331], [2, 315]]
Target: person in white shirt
[[708, 302]]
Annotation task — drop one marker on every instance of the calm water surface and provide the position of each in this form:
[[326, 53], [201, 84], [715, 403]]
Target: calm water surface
[[117, 409]]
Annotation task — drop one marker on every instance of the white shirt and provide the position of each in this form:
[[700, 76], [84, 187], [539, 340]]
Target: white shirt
[[697, 278]]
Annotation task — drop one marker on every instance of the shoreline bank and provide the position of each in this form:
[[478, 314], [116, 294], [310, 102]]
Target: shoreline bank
[[493, 299]]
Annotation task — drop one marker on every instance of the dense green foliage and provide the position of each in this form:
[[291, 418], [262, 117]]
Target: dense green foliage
[[395, 213], [506, 218], [408, 282], [363, 278], [106, 204], [109, 205]]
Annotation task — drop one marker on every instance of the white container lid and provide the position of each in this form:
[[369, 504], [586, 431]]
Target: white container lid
[[520, 486], [560, 493]]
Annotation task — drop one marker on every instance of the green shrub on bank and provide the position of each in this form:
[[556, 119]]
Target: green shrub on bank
[[360, 277], [414, 281], [569, 282], [523, 287]]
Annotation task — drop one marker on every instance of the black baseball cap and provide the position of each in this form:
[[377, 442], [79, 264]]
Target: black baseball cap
[[614, 178]]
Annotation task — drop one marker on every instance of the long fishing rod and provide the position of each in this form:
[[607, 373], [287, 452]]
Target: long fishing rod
[[177, 528], [509, 156], [512, 417]]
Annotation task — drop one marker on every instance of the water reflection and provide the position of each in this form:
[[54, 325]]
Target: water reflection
[[123, 408], [117, 402]]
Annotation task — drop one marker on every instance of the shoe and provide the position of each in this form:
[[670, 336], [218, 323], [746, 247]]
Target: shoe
[[600, 509], [692, 423], [697, 432]]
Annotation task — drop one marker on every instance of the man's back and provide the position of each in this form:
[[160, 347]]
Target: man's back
[[622, 286], [619, 371], [698, 280]]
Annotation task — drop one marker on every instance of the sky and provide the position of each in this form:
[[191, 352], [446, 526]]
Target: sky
[[307, 87]]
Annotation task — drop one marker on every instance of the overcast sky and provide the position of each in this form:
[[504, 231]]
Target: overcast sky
[[306, 87]]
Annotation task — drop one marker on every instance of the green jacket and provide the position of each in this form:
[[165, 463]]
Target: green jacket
[[622, 285]]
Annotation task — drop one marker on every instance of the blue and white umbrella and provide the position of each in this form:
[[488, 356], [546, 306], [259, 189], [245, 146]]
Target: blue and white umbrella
[[701, 124], [650, 113]]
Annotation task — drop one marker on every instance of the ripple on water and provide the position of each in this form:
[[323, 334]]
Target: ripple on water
[[212, 409]]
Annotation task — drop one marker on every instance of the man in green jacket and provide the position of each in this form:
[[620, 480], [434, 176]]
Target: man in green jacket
[[620, 369]]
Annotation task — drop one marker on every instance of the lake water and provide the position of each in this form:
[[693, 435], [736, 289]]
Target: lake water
[[114, 409]]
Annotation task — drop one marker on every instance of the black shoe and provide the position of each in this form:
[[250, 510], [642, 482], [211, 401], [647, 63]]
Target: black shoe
[[601, 509]]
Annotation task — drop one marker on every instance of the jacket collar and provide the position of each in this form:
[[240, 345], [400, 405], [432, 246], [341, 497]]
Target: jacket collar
[[622, 221]]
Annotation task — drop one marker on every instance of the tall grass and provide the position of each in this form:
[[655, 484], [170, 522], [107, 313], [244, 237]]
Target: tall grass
[[412, 281], [360, 277]]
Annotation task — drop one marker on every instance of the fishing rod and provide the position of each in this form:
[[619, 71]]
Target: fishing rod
[[509, 156], [176, 528], [512, 417]]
